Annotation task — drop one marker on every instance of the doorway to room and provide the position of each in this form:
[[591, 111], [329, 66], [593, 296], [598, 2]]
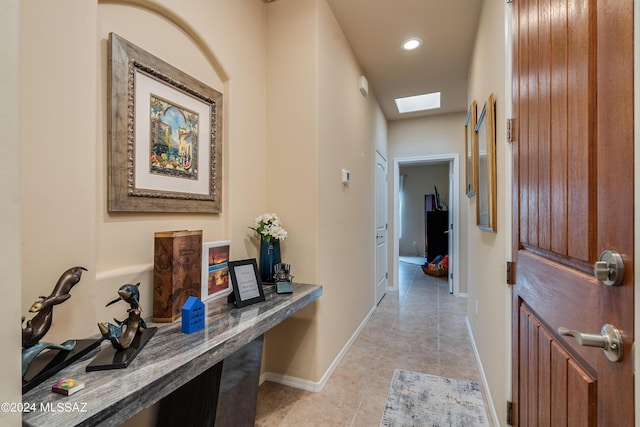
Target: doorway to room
[[427, 187]]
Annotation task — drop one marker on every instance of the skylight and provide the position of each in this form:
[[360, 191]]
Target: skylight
[[409, 104]]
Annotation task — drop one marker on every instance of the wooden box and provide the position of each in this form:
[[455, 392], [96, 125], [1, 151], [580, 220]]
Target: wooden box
[[177, 265]]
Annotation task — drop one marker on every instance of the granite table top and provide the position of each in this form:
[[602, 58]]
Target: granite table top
[[169, 360]]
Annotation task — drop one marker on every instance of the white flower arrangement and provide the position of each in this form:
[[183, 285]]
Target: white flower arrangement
[[269, 227]]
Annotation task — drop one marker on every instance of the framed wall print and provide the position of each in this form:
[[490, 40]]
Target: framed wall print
[[469, 143], [486, 144], [164, 135], [215, 269], [245, 279]]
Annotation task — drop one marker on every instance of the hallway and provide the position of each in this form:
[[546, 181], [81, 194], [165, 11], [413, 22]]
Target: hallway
[[420, 327]]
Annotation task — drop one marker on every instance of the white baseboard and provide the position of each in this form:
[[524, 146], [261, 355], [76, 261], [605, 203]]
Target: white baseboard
[[294, 382], [492, 408], [312, 385]]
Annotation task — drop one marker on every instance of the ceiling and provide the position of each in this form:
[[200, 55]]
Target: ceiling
[[375, 30]]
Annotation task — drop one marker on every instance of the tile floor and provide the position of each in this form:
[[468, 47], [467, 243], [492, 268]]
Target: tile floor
[[419, 327]]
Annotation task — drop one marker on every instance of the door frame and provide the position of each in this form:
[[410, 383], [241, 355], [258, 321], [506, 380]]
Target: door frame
[[454, 196], [636, 196]]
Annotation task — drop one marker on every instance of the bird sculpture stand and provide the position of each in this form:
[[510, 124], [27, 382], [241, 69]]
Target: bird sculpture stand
[[38, 364], [127, 337]]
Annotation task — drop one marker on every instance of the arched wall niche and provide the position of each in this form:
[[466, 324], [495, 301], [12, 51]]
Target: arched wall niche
[[182, 38], [179, 22]]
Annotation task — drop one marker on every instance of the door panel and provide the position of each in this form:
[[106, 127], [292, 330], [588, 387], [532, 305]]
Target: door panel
[[558, 390], [573, 198], [381, 227]]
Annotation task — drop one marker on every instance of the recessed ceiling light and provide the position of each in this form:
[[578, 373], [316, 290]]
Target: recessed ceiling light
[[411, 44], [409, 104]]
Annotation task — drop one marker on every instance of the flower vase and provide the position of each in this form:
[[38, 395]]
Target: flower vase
[[269, 257]]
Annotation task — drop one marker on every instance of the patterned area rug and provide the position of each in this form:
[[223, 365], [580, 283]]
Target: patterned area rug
[[417, 399]]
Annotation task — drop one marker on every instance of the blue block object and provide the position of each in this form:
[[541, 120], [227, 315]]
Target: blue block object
[[192, 315], [284, 287]]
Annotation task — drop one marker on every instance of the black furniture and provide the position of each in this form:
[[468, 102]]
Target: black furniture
[[436, 237]]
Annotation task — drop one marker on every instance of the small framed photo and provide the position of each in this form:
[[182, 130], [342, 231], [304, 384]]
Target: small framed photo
[[246, 283], [215, 269]]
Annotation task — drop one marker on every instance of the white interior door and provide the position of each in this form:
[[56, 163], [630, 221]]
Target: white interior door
[[381, 227], [450, 229]]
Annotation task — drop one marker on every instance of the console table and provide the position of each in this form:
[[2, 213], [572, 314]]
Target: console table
[[191, 372]]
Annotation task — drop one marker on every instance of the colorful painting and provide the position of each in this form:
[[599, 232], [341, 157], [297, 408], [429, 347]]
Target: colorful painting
[[173, 140], [215, 267]]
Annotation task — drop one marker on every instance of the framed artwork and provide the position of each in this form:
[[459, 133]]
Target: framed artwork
[[485, 135], [164, 135], [469, 143], [215, 269], [245, 279]]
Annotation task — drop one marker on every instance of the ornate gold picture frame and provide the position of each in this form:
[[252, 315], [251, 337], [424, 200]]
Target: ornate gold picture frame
[[485, 136], [164, 135]]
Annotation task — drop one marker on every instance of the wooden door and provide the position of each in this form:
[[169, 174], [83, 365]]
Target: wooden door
[[573, 198]]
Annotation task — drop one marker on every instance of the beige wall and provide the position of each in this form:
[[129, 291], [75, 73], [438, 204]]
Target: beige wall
[[419, 181], [63, 173], [58, 156], [62, 168], [488, 251], [351, 128], [318, 124], [10, 204], [291, 181], [63, 133]]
